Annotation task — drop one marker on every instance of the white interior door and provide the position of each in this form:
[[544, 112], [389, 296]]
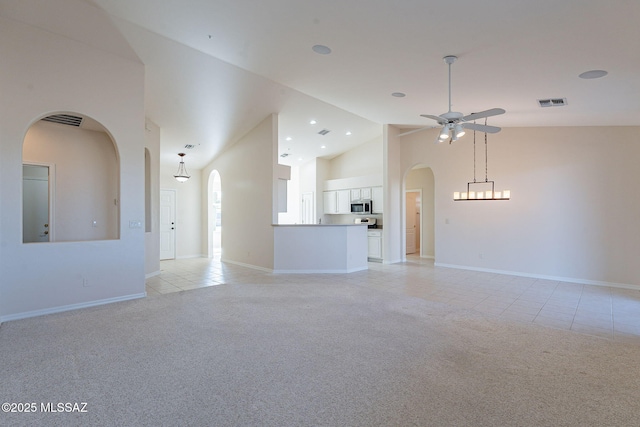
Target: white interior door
[[167, 224], [410, 221], [36, 224], [307, 214]]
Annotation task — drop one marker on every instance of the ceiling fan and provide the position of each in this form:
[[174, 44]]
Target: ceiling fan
[[454, 123]]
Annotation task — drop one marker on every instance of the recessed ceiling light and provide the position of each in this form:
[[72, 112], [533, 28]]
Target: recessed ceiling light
[[593, 74], [398, 94], [299, 159], [288, 138], [321, 49], [312, 122], [348, 133], [323, 146]]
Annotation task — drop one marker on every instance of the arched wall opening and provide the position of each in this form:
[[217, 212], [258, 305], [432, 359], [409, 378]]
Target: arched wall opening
[[214, 214], [70, 186], [419, 211]]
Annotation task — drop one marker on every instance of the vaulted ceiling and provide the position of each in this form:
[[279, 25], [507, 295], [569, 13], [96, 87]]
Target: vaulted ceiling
[[215, 69]]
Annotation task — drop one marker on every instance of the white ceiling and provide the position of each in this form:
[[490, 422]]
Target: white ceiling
[[216, 68]]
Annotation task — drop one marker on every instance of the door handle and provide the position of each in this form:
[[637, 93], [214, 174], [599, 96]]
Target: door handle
[[46, 232]]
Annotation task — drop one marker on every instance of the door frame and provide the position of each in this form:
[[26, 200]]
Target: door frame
[[404, 219], [52, 197]]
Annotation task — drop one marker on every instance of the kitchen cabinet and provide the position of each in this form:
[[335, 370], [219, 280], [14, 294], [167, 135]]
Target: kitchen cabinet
[[358, 194], [374, 243], [344, 202], [330, 202], [365, 193], [337, 202], [377, 199]]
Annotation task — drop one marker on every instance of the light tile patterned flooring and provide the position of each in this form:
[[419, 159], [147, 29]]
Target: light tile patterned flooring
[[607, 312]]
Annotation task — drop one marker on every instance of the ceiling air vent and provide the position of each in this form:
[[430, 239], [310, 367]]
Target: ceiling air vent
[[552, 102], [324, 132], [283, 155], [64, 119], [189, 146]]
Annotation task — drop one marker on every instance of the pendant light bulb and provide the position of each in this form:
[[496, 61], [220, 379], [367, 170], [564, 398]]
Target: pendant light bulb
[[459, 131]]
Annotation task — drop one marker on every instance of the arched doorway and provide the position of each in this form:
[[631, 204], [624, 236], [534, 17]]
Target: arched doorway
[[70, 181], [214, 235], [419, 209]]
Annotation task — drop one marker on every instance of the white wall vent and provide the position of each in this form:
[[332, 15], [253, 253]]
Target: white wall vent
[[324, 132], [552, 102], [64, 119]]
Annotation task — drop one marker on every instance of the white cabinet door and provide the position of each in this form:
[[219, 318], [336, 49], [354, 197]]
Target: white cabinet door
[[365, 193], [374, 240], [330, 202], [377, 199], [344, 202], [355, 194]]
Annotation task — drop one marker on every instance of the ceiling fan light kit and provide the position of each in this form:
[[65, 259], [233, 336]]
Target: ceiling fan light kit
[[458, 122]]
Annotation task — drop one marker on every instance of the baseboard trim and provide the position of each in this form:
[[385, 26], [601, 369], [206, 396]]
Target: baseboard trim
[[542, 276], [191, 256], [35, 313], [242, 264], [339, 271], [150, 275]]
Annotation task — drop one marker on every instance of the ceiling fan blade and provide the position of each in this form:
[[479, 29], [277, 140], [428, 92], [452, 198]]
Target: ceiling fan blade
[[438, 119], [481, 128], [416, 130], [483, 114]]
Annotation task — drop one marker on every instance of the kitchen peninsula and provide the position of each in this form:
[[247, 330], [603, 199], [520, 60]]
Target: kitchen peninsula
[[316, 248]]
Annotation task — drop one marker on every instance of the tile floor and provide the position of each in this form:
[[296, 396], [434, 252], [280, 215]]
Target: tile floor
[[608, 312]]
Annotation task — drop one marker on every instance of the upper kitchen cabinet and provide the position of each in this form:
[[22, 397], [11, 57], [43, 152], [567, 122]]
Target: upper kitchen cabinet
[[358, 194], [337, 202], [377, 199]]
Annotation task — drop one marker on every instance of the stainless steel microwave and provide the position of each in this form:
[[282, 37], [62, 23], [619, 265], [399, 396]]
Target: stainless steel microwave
[[361, 207]]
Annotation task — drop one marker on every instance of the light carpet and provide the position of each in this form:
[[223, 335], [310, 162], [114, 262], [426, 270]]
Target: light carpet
[[310, 355]]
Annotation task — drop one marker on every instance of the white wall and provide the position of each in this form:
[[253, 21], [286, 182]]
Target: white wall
[[573, 212], [393, 233], [247, 175], [45, 73], [189, 236], [364, 160], [294, 196], [152, 237]]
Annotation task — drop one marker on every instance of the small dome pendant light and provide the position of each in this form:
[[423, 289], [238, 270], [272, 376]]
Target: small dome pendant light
[[181, 175]]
